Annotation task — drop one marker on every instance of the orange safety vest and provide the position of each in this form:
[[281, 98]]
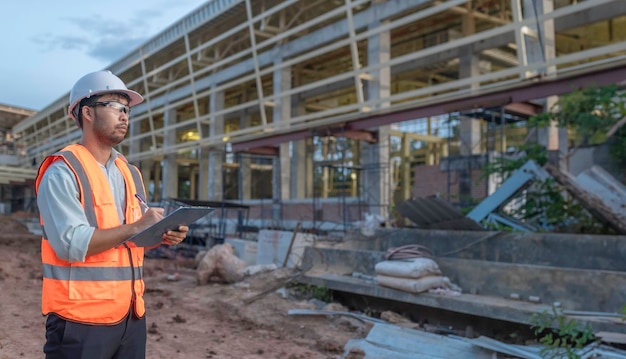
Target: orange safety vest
[[101, 289]]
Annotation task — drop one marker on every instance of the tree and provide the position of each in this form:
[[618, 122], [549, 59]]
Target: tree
[[595, 114]]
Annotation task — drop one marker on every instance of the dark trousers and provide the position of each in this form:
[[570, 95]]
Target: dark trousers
[[69, 340]]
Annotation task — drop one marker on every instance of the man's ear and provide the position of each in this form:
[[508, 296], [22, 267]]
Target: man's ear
[[86, 113]]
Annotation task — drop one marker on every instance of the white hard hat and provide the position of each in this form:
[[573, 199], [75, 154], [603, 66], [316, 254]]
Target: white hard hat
[[97, 83]]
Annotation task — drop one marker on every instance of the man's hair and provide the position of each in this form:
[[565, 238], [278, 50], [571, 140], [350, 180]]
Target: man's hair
[[90, 102]]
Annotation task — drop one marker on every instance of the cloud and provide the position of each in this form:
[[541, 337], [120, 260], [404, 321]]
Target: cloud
[[102, 38], [51, 42], [109, 38], [112, 49]]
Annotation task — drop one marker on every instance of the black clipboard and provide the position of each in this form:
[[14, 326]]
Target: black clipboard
[[183, 216]]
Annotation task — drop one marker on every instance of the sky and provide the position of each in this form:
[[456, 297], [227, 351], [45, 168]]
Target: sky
[[47, 45]]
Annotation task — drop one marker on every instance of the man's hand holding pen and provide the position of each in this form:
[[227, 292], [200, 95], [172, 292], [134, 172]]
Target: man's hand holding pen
[[155, 214], [142, 202]]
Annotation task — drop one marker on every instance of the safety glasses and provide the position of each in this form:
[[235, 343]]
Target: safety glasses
[[114, 105]]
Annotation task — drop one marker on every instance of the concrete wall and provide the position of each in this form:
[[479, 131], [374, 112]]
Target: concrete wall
[[580, 251], [575, 289]]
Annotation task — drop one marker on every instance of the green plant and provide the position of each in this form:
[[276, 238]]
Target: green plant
[[506, 166], [560, 335], [312, 291], [591, 113], [544, 204]]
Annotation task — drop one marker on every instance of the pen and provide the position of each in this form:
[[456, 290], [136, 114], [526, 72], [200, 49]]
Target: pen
[[142, 202]]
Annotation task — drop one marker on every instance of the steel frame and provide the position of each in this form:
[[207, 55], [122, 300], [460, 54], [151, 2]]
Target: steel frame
[[342, 27]]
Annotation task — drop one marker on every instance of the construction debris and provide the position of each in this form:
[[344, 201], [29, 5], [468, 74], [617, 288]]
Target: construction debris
[[220, 264], [599, 192], [391, 341], [596, 190]]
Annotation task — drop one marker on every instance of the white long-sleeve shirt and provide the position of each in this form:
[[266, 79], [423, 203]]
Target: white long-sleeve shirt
[[65, 223]]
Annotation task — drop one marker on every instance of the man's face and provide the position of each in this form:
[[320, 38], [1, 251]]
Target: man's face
[[110, 123]]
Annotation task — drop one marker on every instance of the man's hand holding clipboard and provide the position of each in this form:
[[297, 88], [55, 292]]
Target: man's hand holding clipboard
[[183, 216]]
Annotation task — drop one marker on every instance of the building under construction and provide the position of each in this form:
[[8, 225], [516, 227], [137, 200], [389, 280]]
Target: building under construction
[[308, 115], [322, 111]]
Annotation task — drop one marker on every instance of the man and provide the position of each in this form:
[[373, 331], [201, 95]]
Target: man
[[89, 200]]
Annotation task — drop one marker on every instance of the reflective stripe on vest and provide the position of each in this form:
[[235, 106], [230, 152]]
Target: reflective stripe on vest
[[80, 172], [137, 178], [91, 273]]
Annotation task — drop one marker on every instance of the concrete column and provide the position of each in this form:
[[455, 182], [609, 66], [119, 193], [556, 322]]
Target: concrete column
[[300, 178], [170, 167], [469, 67], [470, 136], [216, 181], [193, 183], [302, 158], [326, 178], [146, 169], [375, 157], [245, 177], [157, 182], [277, 193], [134, 146], [406, 186], [145, 165], [203, 169], [470, 128], [301, 164], [245, 170], [281, 173], [282, 112], [216, 156]]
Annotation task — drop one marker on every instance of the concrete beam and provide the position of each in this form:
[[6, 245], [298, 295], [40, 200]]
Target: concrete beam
[[368, 136], [265, 151], [525, 109], [524, 92], [270, 141]]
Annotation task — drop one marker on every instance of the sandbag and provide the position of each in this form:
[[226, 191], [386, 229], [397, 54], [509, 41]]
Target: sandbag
[[409, 268], [411, 285]]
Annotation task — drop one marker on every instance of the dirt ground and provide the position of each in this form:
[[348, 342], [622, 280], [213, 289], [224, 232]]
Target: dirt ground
[[246, 320]]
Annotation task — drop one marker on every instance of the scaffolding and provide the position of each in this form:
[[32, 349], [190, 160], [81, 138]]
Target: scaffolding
[[346, 184]]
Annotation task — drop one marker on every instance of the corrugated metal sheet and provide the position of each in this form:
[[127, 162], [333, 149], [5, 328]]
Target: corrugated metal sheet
[[385, 341], [601, 183], [599, 192], [591, 351]]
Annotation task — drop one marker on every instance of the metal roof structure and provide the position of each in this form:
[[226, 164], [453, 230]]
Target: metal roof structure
[[10, 171], [12, 115], [253, 76], [245, 51]]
